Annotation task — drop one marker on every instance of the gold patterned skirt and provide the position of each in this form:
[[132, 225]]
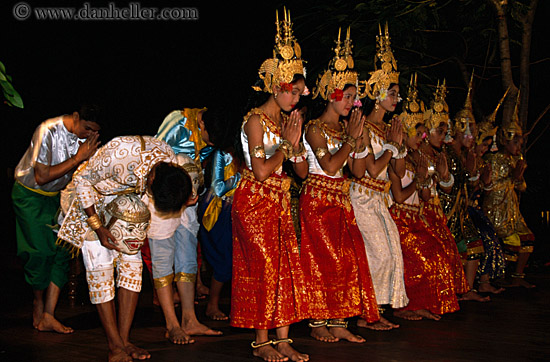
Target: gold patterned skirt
[[333, 253], [429, 279], [437, 227], [268, 289]]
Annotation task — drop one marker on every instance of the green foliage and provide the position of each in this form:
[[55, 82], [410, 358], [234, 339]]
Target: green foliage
[[12, 98]]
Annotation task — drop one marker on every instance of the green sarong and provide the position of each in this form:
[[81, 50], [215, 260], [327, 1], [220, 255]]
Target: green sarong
[[44, 261]]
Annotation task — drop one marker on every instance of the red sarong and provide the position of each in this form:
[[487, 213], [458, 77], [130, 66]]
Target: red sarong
[[268, 289], [333, 252], [435, 218], [429, 277]]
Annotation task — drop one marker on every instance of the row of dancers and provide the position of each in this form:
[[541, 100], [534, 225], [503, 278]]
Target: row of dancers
[[351, 212]]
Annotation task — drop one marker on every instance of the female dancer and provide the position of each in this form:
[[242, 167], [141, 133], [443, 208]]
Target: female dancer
[[370, 190], [268, 289], [462, 165], [332, 249], [492, 264], [436, 122], [428, 269], [501, 203]]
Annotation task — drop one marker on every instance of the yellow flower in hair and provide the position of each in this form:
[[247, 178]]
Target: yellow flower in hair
[[383, 94]]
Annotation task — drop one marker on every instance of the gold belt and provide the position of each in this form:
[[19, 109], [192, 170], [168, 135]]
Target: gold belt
[[338, 185], [332, 189], [406, 207], [275, 187], [374, 184]]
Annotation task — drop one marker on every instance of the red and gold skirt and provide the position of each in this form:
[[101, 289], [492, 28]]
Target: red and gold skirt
[[429, 279], [268, 289], [333, 252], [437, 226]]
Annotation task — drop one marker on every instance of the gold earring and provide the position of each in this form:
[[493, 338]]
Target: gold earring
[[275, 95]]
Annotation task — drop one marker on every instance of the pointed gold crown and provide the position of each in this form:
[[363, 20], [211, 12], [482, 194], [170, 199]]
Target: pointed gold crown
[[487, 128], [465, 116], [381, 79], [512, 128], [286, 61], [439, 109], [340, 71], [413, 108]]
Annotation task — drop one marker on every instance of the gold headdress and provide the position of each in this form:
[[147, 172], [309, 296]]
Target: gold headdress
[[340, 71], [130, 208], [487, 128], [439, 110], [286, 61], [465, 116], [512, 128], [380, 79], [413, 108]]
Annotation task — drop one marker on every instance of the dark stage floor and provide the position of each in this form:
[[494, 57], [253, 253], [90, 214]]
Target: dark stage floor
[[514, 326]]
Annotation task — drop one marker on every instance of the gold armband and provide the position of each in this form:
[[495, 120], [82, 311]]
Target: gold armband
[[320, 153], [258, 152], [95, 222]]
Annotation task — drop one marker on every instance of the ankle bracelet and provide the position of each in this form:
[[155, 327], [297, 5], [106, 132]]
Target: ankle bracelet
[[317, 324]]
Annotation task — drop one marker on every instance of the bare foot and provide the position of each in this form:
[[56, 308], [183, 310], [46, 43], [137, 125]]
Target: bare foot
[[119, 355], [198, 329], [49, 324], [176, 335], [520, 282], [344, 333], [487, 287], [407, 314], [388, 323], [473, 295], [268, 353], [322, 334], [216, 314], [376, 326], [136, 352], [202, 291], [286, 350], [37, 312], [427, 314]]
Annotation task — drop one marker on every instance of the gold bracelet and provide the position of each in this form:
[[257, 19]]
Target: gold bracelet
[[286, 149], [395, 144], [301, 151], [95, 222], [350, 141]]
